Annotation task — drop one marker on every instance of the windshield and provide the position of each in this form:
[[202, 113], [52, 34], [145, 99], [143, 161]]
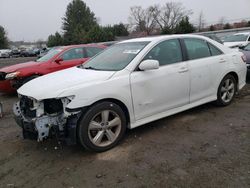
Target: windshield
[[247, 47], [116, 57], [50, 54], [236, 38]]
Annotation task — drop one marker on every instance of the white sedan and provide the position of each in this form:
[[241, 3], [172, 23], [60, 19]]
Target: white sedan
[[130, 84]]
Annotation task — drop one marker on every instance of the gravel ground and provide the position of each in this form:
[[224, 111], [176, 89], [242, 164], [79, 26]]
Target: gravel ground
[[203, 147]]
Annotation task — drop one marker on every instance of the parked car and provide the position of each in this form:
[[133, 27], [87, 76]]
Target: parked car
[[28, 53], [44, 51], [237, 40], [15, 53], [246, 51], [12, 77], [5, 53], [213, 37], [129, 84]]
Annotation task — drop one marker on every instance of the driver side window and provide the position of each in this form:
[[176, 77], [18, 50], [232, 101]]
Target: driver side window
[[75, 53], [167, 52]]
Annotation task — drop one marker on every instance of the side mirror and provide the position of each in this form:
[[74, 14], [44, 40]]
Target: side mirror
[[58, 60], [241, 47], [149, 65]]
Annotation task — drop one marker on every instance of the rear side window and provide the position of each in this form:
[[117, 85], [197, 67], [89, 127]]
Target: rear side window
[[92, 51], [75, 53], [214, 51], [167, 52], [197, 48]]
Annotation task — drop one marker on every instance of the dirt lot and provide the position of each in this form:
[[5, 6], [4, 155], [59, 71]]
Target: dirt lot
[[203, 147]]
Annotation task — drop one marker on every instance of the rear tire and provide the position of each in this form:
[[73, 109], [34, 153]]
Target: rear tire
[[226, 91], [102, 127]]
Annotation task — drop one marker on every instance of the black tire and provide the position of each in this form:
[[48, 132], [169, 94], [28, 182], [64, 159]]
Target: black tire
[[220, 101], [83, 131]]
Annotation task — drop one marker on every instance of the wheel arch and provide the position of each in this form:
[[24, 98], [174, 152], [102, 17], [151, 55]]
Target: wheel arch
[[113, 100], [236, 77]]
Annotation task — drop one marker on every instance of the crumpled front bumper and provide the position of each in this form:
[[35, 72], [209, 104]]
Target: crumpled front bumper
[[28, 128], [41, 128]]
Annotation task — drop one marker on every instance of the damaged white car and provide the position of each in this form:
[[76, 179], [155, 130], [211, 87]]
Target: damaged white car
[[130, 84]]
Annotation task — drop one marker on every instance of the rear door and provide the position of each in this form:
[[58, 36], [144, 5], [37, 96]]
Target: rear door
[[206, 63]]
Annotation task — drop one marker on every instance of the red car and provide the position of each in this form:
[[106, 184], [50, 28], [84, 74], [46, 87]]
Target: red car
[[12, 77]]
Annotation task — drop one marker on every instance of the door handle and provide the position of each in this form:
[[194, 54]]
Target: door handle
[[222, 61], [183, 69]]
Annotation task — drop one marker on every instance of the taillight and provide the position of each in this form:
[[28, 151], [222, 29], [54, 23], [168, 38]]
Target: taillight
[[244, 58]]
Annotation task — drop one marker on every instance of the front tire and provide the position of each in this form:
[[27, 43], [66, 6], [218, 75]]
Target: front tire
[[226, 91], [102, 127]]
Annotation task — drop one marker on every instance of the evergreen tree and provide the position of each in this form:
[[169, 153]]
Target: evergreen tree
[[3, 38], [55, 40], [100, 34], [227, 26], [78, 21], [120, 30], [184, 26], [211, 28]]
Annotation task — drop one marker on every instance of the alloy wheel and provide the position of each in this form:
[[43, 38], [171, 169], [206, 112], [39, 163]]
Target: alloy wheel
[[104, 128], [227, 90]]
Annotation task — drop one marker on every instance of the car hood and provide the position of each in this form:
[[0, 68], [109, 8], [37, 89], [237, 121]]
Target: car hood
[[231, 44], [17, 67], [54, 84]]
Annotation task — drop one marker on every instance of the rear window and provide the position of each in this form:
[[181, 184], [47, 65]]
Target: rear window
[[214, 51]]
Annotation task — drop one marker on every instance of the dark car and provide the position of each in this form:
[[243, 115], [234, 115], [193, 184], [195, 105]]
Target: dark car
[[246, 51], [28, 53], [15, 53], [44, 51]]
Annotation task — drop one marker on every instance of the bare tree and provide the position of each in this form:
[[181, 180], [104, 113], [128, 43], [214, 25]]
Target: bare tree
[[169, 15], [142, 19], [201, 21]]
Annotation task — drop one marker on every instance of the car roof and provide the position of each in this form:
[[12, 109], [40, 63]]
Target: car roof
[[162, 37], [83, 45]]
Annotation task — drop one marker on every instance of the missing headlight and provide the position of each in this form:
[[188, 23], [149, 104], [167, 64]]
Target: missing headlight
[[52, 106]]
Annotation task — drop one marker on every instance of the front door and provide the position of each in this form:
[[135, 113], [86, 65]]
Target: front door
[[159, 90]]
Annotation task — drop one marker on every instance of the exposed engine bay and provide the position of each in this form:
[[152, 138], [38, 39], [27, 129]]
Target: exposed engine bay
[[43, 119]]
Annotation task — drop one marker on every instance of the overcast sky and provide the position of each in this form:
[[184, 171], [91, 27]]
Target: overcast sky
[[31, 20]]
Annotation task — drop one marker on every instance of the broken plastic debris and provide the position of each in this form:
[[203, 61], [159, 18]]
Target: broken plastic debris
[[98, 175]]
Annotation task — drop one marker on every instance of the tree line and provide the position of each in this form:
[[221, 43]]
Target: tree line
[[80, 25]]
